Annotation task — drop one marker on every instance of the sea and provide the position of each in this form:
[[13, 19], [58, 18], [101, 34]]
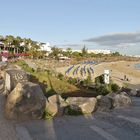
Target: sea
[[137, 66]]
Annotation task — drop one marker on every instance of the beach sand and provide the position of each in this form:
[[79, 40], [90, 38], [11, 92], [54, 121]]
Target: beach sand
[[117, 71]]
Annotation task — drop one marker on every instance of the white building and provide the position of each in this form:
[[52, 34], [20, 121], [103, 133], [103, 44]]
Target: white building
[[93, 51], [100, 51], [1, 44], [46, 47], [76, 51]]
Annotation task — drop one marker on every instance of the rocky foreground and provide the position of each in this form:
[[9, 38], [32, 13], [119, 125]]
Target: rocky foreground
[[104, 117], [7, 129], [119, 124]]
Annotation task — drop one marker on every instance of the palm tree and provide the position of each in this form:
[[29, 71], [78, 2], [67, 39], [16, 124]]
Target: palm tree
[[69, 52], [84, 51], [1, 38], [55, 52], [18, 41], [34, 48], [9, 39], [18, 44]]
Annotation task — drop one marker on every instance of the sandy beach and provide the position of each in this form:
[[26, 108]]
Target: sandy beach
[[117, 71]]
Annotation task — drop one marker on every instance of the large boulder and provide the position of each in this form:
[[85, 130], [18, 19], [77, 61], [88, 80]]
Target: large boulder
[[26, 101], [138, 93], [122, 100], [55, 105], [82, 104], [104, 103], [14, 76], [133, 92], [129, 91]]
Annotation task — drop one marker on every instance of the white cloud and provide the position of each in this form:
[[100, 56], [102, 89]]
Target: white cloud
[[117, 39]]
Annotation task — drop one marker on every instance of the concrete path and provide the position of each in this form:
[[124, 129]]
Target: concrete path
[[7, 129], [119, 124]]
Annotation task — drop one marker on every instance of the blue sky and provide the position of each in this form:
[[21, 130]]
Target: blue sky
[[74, 22]]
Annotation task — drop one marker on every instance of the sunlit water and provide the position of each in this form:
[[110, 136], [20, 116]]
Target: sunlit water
[[137, 66]]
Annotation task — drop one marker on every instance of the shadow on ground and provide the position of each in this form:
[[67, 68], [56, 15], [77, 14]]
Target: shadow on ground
[[119, 124]]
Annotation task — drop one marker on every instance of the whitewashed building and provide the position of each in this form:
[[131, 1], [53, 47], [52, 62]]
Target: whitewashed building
[[93, 51], [46, 47], [99, 51]]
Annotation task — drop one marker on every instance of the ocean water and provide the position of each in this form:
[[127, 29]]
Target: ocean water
[[137, 66]]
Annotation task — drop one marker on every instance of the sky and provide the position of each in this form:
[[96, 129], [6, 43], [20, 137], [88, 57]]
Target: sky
[[97, 24]]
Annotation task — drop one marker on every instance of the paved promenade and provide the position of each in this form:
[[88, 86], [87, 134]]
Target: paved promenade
[[7, 129], [120, 124]]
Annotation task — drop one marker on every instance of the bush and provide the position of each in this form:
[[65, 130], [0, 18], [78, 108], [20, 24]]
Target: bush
[[47, 115], [88, 80], [60, 76], [103, 90], [72, 81], [48, 72], [99, 79], [115, 87], [72, 112]]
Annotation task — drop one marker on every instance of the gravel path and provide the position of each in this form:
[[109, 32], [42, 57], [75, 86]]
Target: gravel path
[[7, 129]]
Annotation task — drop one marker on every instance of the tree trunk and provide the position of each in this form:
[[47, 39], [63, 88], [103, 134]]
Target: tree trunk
[[14, 50], [17, 50]]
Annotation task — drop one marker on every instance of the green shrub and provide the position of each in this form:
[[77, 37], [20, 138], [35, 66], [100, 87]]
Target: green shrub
[[99, 79], [72, 81], [48, 72], [60, 76], [72, 112], [115, 87], [103, 89], [125, 85], [88, 80], [47, 115]]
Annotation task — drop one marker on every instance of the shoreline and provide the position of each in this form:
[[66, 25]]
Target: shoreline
[[137, 66], [117, 71]]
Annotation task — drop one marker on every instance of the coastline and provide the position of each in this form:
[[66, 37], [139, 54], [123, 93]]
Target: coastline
[[137, 66], [117, 71]]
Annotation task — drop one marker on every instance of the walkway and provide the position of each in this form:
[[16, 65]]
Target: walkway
[[119, 124], [7, 129]]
